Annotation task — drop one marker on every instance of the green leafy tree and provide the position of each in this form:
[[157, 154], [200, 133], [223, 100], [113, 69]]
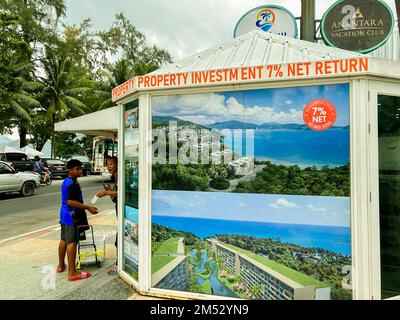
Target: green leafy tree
[[69, 143], [194, 285], [49, 73], [123, 37], [80, 44], [220, 183], [136, 56], [142, 68], [278, 179], [59, 93], [16, 104], [40, 130], [34, 23]]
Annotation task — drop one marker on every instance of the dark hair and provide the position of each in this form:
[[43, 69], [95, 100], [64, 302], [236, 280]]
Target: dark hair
[[73, 163]]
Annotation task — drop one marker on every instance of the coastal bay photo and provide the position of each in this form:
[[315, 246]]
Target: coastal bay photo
[[268, 215]]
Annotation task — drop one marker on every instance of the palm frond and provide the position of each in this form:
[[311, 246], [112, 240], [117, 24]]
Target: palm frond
[[27, 101], [77, 107], [106, 104], [23, 67], [20, 111], [32, 86], [78, 91], [62, 109], [102, 94]]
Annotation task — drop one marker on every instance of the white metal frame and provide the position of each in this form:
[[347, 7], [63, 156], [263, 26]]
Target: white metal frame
[[364, 248], [121, 181], [242, 87], [359, 190], [121, 197], [376, 88]]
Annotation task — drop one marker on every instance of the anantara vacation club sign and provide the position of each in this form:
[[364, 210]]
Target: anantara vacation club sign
[[357, 25], [270, 18], [310, 69]]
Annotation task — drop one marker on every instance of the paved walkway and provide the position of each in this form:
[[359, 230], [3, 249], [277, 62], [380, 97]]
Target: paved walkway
[[28, 263]]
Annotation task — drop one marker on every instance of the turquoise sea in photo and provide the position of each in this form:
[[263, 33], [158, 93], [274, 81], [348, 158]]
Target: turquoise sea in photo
[[301, 147], [336, 239]]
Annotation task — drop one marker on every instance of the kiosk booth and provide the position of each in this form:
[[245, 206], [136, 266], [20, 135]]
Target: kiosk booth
[[265, 168]]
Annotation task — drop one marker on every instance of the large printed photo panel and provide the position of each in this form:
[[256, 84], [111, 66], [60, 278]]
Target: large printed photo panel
[[251, 193]]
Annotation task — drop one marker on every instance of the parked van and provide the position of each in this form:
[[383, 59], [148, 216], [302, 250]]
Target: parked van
[[103, 148]]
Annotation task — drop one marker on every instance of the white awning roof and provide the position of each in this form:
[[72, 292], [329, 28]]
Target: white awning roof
[[31, 152], [278, 57], [100, 123], [8, 149], [257, 48]]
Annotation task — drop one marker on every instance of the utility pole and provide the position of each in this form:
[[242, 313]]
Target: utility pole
[[308, 20]]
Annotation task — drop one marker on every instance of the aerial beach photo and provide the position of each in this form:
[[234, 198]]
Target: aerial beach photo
[[266, 139]]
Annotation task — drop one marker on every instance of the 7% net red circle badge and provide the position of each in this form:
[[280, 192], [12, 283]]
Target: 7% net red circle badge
[[319, 114]]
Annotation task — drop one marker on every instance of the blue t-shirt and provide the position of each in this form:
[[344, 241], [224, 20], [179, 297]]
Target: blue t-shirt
[[71, 190]]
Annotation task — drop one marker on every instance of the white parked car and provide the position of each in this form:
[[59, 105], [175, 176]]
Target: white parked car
[[23, 182]]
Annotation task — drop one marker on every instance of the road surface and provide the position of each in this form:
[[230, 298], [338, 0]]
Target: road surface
[[19, 215]]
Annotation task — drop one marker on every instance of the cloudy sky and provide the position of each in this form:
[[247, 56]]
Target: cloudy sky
[[284, 105], [307, 210], [183, 27]]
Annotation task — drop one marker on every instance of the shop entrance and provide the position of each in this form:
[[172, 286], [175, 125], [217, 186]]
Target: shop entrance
[[389, 193], [387, 110]]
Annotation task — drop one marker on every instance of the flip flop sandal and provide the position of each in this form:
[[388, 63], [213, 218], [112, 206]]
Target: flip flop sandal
[[59, 269], [83, 275], [112, 271]]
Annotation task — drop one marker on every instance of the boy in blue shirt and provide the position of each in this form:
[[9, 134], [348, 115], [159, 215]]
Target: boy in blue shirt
[[72, 215]]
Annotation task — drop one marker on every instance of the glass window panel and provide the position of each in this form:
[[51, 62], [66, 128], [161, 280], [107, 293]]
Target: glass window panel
[[389, 190], [131, 173]]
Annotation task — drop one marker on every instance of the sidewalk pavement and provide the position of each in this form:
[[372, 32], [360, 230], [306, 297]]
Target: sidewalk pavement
[[28, 263]]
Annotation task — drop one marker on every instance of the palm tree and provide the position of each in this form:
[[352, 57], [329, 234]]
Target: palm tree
[[59, 92], [16, 105], [118, 73], [121, 71], [266, 15], [142, 68], [23, 106], [20, 107], [20, 104]]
